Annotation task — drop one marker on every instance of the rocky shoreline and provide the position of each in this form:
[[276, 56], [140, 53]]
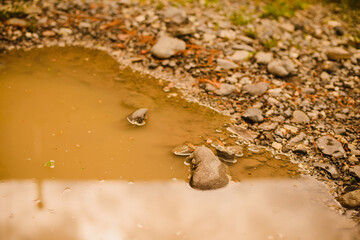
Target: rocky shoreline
[[293, 81]]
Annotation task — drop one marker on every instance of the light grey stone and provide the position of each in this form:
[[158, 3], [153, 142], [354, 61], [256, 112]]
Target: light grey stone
[[281, 68], [330, 146], [167, 46], [253, 115]]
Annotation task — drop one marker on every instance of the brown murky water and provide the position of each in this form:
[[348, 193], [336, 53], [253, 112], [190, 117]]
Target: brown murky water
[[62, 116]]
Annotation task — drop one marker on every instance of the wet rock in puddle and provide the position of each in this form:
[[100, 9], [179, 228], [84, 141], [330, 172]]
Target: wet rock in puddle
[[138, 117], [167, 46], [281, 68], [253, 115], [256, 89], [350, 199], [210, 173], [334, 173], [242, 132], [183, 149], [330, 146], [228, 153]]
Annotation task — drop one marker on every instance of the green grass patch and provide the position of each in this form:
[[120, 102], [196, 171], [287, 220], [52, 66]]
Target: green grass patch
[[238, 19], [249, 32], [282, 8], [270, 43]]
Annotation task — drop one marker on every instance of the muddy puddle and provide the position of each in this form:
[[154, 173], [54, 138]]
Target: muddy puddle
[[63, 116]]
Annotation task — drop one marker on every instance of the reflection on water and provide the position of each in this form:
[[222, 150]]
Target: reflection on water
[[116, 210], [63, 116]]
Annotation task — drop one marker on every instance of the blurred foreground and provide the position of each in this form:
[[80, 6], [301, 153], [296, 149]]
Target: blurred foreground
[[169, 210]]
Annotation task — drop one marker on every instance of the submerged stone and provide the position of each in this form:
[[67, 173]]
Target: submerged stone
[[210, 173], [228, 154], [183, 150], [138, 117]]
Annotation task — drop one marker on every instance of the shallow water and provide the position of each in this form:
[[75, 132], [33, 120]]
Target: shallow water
[[63, 115]]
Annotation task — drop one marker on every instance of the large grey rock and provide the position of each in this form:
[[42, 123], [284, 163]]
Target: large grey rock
[[264, 57], [167, 46], [300, 117], [256, 88], [253, 115], [281, 68], [336, 53], [210, 173], [350, 199], [226, 64], [330, 146]]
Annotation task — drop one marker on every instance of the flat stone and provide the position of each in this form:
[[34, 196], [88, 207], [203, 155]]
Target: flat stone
[[291, 129], [330, 146], [354, 150], [183, 150], [16, 22], [256, 88], [242, 132], [253, 114], [243, 47], [337, 53], [300, 117], [355, 171], [167, 46], [273, 101], [281, 68], [226, 64], [328, 168], [241, 55], [350, 199], [297, 139], [210, 173], [264, 57], [268, 126], [225, 89]]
